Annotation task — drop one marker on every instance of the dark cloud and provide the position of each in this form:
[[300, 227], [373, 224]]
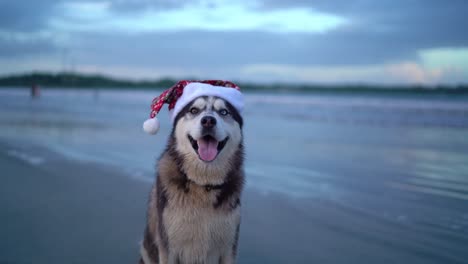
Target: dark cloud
[[430, 20], [382, 31], [11, 48], [20, 25], [25, 16]]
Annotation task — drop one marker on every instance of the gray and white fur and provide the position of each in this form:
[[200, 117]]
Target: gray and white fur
[[194, 206]]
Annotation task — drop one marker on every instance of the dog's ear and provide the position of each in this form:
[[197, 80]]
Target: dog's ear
[[235, 114]]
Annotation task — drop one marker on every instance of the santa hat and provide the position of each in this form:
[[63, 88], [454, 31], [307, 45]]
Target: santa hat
[[183, 92]]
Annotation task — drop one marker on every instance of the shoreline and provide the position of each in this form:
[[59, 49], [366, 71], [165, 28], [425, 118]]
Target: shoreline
[[420, 92]]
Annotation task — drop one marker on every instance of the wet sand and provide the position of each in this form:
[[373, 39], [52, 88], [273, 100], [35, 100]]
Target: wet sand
[[63, 211]]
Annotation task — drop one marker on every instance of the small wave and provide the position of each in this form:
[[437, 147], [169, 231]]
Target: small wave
[[290, 180], [411, 187], [33, 160], [139, 175]]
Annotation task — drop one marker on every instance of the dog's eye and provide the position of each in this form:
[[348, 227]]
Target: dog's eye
[[223, 112], [194, 110]]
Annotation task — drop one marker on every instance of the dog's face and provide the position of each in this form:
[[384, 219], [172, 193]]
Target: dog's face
[[208, 129]]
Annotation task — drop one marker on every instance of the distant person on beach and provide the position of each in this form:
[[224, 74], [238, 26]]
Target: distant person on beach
[[35, 91]]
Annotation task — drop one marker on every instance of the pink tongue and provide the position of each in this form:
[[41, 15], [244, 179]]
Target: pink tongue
[[207, 149]]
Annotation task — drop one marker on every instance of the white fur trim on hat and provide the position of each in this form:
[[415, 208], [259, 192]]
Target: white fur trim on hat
[[195, 89]]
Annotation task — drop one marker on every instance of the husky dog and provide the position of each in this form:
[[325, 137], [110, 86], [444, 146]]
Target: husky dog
[[194, 206]]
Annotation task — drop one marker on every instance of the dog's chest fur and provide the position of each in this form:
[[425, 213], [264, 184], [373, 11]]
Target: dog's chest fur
[[196, 230]]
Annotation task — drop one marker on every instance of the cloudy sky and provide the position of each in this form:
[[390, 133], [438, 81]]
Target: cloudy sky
[[315, 41]]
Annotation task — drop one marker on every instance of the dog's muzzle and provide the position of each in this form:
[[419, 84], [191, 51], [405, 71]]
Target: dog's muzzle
[[207, 147]]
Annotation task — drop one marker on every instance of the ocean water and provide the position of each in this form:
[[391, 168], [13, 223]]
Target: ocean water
[[330, 178]]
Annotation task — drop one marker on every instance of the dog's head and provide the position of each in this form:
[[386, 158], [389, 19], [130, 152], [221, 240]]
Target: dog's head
[[208, 129]]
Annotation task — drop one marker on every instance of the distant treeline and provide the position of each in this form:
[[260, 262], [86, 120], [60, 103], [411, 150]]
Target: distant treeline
[[76, 80]]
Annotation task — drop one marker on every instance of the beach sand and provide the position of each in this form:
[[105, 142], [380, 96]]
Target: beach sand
[[57, 210], [64, 211]]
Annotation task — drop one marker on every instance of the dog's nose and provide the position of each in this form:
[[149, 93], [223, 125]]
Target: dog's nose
[[208, 121]]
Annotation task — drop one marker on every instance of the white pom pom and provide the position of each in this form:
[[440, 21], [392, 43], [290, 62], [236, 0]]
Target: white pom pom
[[151, 126]]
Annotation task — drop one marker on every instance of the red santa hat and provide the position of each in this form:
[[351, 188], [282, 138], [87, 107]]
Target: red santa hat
[[183, 92]]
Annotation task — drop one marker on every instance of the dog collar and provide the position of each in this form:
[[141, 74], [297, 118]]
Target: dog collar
[[208, 187]]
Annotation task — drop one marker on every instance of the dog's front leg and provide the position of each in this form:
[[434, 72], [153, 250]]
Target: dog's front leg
[[230, 254], [227, 259], [164, 256], [172, 259]]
